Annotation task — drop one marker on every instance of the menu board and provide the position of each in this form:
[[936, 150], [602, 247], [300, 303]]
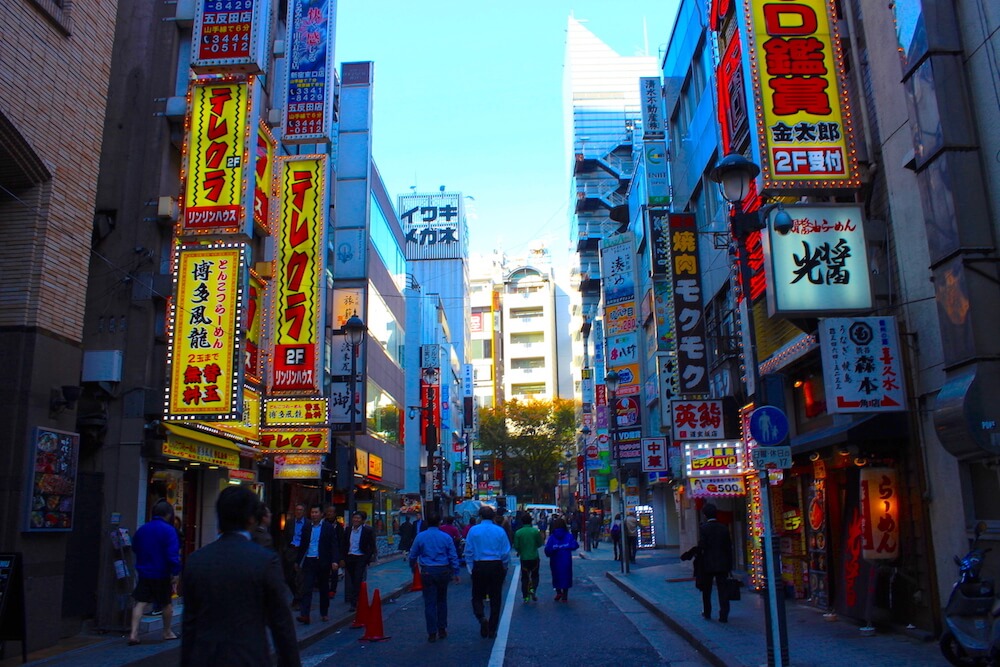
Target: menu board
[[52, 480]]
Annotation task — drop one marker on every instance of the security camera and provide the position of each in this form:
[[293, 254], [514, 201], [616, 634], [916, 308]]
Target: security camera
[[782, 221]]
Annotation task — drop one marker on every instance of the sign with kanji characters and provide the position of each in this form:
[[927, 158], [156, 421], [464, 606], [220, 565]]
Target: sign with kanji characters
[[51, 484], [309, 72], [205, 355], [622, 350], [651, 94], [654, 159], [724, 486], [879, 514], [218, 169], [195, 450], [253, 357], [654, 455], [263, 176], [341, 406], [862, 370], [711, 459], [689, 320], [620, 319], [618, 269], [346, 302], [805, 129], [295, 411], [374, 466], [297, 466], [697, 420], [821, 265], [246, 429], [297, 314], [433, 225], [299, 441], [229, 35], [659, 244]]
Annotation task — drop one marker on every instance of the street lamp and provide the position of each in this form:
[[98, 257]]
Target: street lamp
[[734, 174], [611, 382], [355, 330]]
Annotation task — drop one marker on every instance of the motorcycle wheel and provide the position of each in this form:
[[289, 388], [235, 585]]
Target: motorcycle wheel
[[953, 652]]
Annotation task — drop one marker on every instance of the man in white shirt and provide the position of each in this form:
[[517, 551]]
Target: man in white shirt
[[487, 555]]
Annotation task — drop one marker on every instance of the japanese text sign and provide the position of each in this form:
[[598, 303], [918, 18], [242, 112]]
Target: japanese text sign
[[725, 486], [654, 158], [374, 466], [51, 483], [194, 450], [711, 459], [697, 420], [228, 35], [297, 466], [298, 269], [659, 244], [246, 429], [801, 96], [252, 329], [293, 411], [879, 514], [650, 92], [217, 160], [433, 225], [617, 269], [862, 371], [297, 441], [205, 355], [689, 321], [264, 177], [622, 350], [309, 71], [821, 265], [654, 455]]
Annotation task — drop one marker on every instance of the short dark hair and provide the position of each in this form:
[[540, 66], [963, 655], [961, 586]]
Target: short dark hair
[[262, 511], [709, 510], [526, 518], [316, 506], [558, 522], [486, 512], [236, 507], [163, 509], [433, 519], [448, 520]]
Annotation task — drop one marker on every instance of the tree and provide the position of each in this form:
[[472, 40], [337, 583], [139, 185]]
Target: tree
[[529, 439]]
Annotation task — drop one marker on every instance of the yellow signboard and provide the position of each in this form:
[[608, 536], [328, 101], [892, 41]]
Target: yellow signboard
[[192, 450], [374, 466], [253, 360], [246, 429], [360, 462], [800, 93], [204, 351], [294, 441], [296, 411], [297, 466], [264, 177]]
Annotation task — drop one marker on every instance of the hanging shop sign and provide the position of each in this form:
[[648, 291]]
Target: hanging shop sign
[[205, 355], [689, 321], [246, 429], [654, 159], [200, 452], [433, 225], [659, 244], [52, 457], [654, 455], [862, 370], [374, 466], [297, 313], [253, 335], [618, 270], [651, 92], [342, 407], [296, 411], [243, 475], [218, 169], [309, 72], [712, 459], [723, 486], [879, 514], [622, 350], [229, 36], [800, 94], [301, 441], [297, 466], [821, 265], [697, 420], [264, 177], [360, 462]]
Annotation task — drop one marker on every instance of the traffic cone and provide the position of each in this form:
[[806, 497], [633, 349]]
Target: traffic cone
[[418, 583], [373, 628], [361, 616]]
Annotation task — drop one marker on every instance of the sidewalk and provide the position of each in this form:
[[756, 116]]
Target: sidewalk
[[665, 586], [391, 576]]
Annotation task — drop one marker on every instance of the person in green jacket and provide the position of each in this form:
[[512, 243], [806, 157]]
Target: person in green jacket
[[527, 540]]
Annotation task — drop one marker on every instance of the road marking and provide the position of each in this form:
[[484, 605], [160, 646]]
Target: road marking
[[500, 645]]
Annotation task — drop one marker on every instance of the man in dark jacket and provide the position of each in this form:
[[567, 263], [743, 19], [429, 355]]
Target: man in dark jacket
[[319, 555], [233, 591], [714, 562], [358, 549]]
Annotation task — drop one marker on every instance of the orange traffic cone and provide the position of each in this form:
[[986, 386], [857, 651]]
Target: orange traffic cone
[[361, 616], [373, 628], [418, 583]]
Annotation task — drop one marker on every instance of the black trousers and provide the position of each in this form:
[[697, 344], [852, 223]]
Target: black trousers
[[355, 571], [706, 594], [487, 579], [313, 575], [529, 576]]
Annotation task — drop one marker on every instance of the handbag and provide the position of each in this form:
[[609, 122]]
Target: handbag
[[733, 586]]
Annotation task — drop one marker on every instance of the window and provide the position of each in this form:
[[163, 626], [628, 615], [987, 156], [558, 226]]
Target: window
[[482, 348]]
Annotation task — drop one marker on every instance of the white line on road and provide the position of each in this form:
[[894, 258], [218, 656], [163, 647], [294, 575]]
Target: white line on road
[[499, 652]]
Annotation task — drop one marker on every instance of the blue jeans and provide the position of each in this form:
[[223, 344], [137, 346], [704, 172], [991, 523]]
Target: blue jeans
[[436, 580]]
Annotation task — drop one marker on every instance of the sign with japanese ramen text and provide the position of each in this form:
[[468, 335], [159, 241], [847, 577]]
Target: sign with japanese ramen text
[[821, 265], [879, 514], [711, 459], [295, 411], [697, 420], [807, 138], [654, 455], [297, 441], [298, 269], [205, 355], [862, 371], [433, 225], [689, 322], [309, 73], [228, 35], [218, 169]]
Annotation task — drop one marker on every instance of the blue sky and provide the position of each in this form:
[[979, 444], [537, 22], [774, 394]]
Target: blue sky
[[468, 94]]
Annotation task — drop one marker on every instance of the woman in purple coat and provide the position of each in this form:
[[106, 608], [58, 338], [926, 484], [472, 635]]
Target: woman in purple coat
[[559, 549]]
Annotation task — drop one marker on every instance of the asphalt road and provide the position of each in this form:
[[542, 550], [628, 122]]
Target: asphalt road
[[599, 626]]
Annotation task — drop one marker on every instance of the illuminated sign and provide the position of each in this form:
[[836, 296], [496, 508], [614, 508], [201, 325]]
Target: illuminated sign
[[654, 455], [205, 355], [862, 366], [711, 459], [297, 466], [803, 109], [289, 440], [360, 462], [309, 72], [217, 161], [243, 475], [374, 466], [246, 429], [821, 265], [192, 450], [228, 35], [253, 357], [689, 320], [264, 177], [293, 411], [718, 487], [879, 514], [697, 420], [622, 350], [296, 320]]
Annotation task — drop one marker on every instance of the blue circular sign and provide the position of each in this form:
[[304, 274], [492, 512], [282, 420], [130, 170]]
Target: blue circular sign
[[768, 425]]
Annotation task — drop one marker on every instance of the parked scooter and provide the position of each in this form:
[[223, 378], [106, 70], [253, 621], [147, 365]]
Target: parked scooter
[[973, 631]]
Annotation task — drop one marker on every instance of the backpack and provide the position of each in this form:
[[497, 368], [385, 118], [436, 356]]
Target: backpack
[[616, 529]]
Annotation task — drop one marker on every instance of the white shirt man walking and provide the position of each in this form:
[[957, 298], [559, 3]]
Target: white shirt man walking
[[487, 556]]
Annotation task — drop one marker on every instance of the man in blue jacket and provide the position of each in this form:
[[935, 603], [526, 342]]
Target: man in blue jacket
[[157, 564], [433, 551]]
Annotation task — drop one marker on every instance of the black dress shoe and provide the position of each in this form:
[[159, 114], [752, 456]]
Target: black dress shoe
[[723, 619], [442, 633], [484, 627], [707, 617], [432, 638]]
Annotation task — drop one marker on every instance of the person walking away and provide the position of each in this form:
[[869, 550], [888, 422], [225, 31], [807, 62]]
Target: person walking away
[[234, 592], [433, 551], [616, 536], [631, 535], [262, 532], [543, 522], [487, 556], [407, 532], [293, 537], [715, 562], [527, 540], [559, 548], [358, 549], [330, 517], [157, 564], [594, 530], [318, 556]]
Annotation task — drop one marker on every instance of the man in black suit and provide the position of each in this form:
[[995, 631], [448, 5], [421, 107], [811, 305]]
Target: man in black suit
[[714, 562], [358, 549], [233, 589], [319, 555]]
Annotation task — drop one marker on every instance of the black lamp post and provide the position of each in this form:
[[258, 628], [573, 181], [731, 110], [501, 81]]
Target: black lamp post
[[611, 382], [734, 174], [355, 330]]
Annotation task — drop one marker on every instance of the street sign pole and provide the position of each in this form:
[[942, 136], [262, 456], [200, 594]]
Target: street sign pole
[[777, 646]]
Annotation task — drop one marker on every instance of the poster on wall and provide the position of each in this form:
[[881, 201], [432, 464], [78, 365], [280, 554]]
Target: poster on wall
[[51, 484]]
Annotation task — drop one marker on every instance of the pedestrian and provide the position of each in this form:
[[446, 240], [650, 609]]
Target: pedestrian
[[631, 535], [433, 551], [594, 530], [543, 522], [487, 556], [559, 549], [715, 562], [262, 532], [330, 516], [318, 556], [358, 549], [407, 532], [157, 564], [293, 537], [527, 540], [616, 536], [233, 592]]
